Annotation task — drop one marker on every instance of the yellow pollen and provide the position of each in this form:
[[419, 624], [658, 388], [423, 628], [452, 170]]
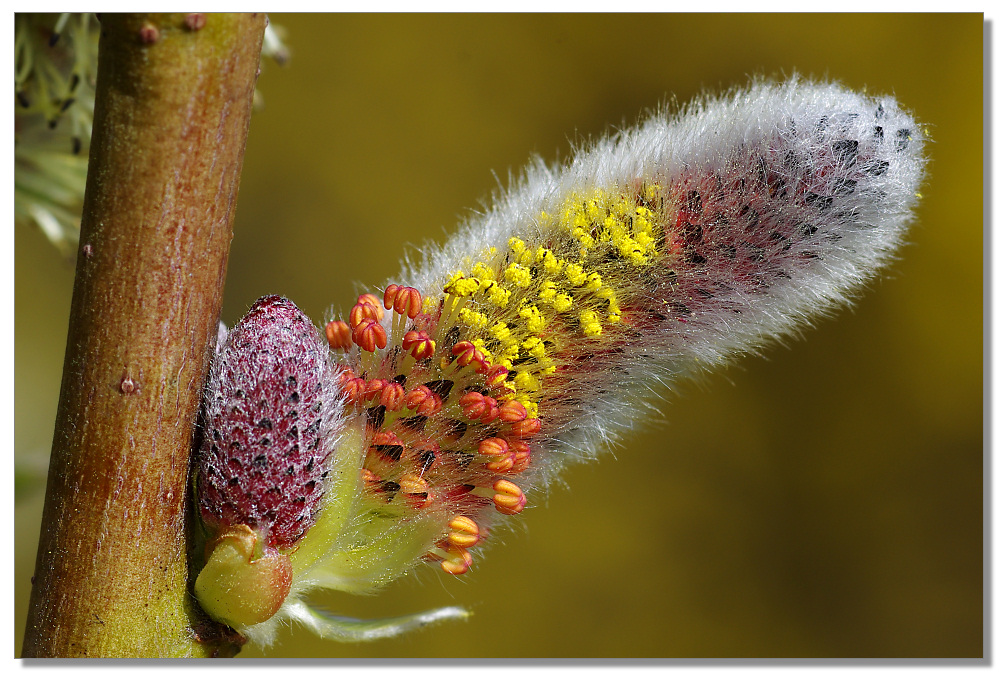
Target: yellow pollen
[[590, 324], [574, 273], [498, 296], [473, 319], [518, 275], [562, 302], [484, 273], [534, 318]]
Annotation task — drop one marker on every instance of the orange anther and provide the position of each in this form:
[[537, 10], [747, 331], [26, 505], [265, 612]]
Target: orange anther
[[477, 406], [392, 396], [509, 499], [354, 389], [361, 312], [493, 447], [512, 412], [369, 298], [403, 300], [338, 334], [369, 335], [468, 355], [370, 478], [458, 562], [496, 375], [390, 295], [386, 438], [526, 428], [501, 464], [411, 484], [424, 401], [464, 532], [418, 344], [374, 389], [521, 455]]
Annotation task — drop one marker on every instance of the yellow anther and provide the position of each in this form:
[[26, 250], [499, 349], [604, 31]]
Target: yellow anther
[[548, 292], [535, 347], [516, 245], [518, 275], [460, 286], [590, 324], [483, 273], [473, 319], [594, 282], [500, 331], [498, 296], [534, 318], [574, 273], [562, 302], [525, 381]]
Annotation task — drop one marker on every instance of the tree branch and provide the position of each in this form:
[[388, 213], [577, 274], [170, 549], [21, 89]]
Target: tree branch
[[174, 93]]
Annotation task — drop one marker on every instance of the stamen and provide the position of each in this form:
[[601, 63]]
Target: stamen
[[369, 334], [477, 406], [509, 499], [338, 334], [513, 412], [392, 396], [424, 401], [464, 532], [457, 560]]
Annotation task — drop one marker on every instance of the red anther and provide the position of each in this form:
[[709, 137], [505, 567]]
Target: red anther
[[370, 479], [509, 499], [493, 447], [521, 455], [464, 532], [354, 389], [496, 376], [368, 298], [512, 412], [492, 413], [403, 300], [365, 308], [502, 464], [338, 334], [412, 484], [392, 396], [477, 406], [424, 401], [526, 428], [386, 438], [390, 295], [346, 375], [369, 335], [374, 389], [458, 562], [467, 354], [418, 344]]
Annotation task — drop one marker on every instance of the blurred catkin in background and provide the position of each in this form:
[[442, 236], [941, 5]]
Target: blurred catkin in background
[[826, 501]]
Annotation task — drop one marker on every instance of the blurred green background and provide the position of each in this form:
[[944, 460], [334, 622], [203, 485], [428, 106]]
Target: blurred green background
[[826, 501]]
